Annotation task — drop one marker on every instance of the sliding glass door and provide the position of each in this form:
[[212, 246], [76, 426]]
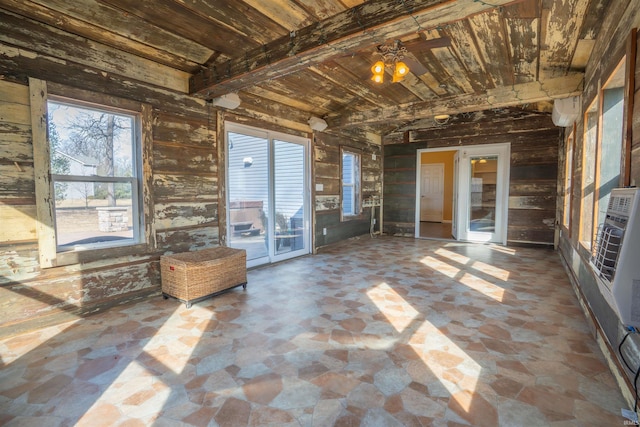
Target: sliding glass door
[[267, 194]]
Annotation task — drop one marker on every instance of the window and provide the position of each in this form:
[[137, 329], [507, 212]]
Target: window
[[610, 144], [568, 189], [95, 171], [350, 183], [588, 173], [604, 142]]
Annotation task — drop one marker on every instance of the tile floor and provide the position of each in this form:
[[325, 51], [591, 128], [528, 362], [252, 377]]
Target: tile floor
[[371, 332]]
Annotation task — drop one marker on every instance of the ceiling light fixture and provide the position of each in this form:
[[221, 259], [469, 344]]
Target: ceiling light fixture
[[391, 57], [230, 101], [441, 119]]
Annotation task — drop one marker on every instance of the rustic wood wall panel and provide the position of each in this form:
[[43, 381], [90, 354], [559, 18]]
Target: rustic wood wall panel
[[608, 50], [327, 161], [533, 169], [184, 199]]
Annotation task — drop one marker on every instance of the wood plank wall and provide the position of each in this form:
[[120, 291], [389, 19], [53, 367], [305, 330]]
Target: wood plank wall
[[184, 216], [534, 164], [183, 207], [186, 190], [327, 163], [609, 49]]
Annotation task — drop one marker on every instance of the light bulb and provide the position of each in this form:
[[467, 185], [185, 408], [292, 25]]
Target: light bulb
[[378, 78], [401, 68], [378, 68]]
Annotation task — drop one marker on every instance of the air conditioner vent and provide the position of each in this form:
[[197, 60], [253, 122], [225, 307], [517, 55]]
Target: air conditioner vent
[[620, 204], [615, 255]]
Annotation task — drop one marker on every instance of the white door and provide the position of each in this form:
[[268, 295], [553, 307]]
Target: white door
[[431, 192], [483, 177]]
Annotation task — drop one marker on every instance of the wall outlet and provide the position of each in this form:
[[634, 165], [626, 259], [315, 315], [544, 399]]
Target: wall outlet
[[324, 231], [319, 187], [374, 221], [373, 156]]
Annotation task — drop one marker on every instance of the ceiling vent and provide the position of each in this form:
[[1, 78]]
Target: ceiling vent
[[566, 111]]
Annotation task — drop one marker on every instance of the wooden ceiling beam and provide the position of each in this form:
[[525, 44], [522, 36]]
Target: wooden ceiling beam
[[505, 96], [365, 25]]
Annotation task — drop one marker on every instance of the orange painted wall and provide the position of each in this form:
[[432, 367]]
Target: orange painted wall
[[445, 157]]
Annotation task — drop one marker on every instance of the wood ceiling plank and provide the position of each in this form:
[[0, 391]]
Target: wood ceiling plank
[[506, 96], [417, 87], [562, 23], [433, 84], [464, 45], [525, 9], [492, 41], [288, 99], [523, 36], [239, 17], [319, 91], [126, 26], [582, 54], [173, 17], [365, 25], [449, 61], [322, 9], [590, 29], [351, 3], [344, 79], [286, 13], [25, 33], [181, 59]]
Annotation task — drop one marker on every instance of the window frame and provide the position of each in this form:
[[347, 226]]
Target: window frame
[[603, 143], [40, 93], [134, 180], [568, 180], [590, 138], [356, 185]]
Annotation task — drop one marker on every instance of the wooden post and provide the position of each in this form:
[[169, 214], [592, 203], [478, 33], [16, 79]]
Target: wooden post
[[219, 144], [41, 165], [146, 140]]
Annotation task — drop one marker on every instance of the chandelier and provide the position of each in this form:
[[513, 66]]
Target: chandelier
[[390, 57]]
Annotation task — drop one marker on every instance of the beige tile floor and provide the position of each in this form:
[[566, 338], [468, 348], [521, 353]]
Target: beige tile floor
[[371, 332]]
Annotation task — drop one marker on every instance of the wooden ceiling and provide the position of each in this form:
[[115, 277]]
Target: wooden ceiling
[[315, 55]]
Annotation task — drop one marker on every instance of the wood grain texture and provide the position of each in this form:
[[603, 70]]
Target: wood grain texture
[[51, 41], [341, 32], [42, 177]]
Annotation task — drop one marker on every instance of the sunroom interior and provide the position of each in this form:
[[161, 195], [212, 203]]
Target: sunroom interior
[[420, 188]]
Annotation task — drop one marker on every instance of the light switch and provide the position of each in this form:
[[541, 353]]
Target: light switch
[[373, 156], [319, 187]]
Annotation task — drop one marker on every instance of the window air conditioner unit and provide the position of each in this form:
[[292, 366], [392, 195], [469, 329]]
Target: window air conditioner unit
[[616, 255]]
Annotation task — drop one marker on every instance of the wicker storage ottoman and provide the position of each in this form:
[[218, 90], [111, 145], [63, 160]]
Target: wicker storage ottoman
[[194, 276]]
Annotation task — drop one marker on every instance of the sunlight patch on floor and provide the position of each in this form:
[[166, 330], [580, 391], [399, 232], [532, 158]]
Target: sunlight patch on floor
[[482, 286], [440, 266], [398, 312]]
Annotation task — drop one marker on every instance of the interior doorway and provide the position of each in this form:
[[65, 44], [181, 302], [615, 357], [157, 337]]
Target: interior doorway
[[474, 193], [435, 191]]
